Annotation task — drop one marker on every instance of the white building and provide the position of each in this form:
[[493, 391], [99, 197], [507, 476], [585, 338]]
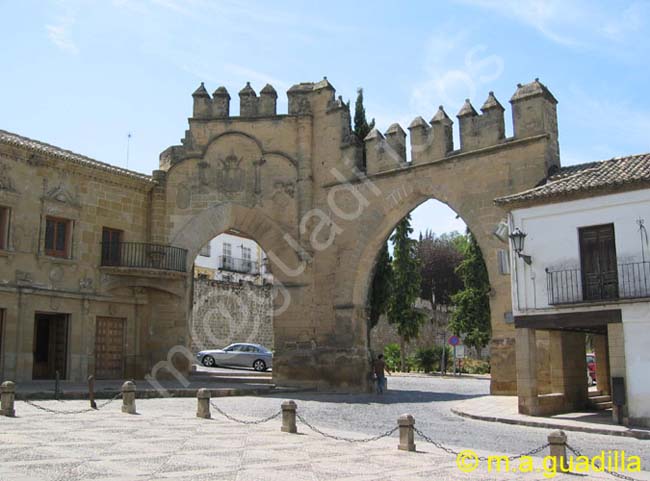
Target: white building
[[588, 271], [233, 257]]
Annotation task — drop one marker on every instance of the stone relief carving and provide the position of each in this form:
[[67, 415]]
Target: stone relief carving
[[56, 274], [230, 178], [6, 182], [60, 193], [23, 277], [85, 283]]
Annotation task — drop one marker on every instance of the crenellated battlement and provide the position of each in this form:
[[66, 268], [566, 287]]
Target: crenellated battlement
[[533, 113], [301, 98]]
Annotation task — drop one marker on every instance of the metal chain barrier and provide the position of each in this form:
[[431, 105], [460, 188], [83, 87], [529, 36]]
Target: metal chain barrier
[[615, 474], [341, 438], [75, 411], [438, 445], [242, 421]]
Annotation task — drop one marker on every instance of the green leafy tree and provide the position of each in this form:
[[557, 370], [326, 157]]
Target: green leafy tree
[[406, 286], [439, 258], [381, 286], [361, 126], [471, 318]]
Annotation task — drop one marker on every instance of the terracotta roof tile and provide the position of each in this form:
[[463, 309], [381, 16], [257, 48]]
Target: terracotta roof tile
[[616, 173], [9, 138]]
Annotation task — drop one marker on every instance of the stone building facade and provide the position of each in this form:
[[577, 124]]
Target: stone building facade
[[226, 312], [94, 276]]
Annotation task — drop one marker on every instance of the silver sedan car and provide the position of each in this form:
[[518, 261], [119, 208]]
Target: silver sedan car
[[238, 355]]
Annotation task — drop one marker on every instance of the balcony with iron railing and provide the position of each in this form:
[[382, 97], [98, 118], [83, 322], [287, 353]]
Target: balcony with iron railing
[[242, 266], [570, 286], [143, 255]]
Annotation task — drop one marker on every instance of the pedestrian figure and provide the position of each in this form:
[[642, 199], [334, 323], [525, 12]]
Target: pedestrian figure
[[379, 367]]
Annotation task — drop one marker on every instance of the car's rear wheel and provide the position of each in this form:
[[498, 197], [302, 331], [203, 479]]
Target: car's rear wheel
[[208, 361], [259, 365]]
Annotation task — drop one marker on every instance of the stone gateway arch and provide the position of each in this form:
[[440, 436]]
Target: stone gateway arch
[[297, 183]]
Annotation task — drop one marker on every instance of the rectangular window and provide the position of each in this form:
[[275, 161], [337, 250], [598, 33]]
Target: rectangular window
[[4, 227], [227, 249], [111, 246], [206, 250], [247, 265], [57, 237], [598, 262]]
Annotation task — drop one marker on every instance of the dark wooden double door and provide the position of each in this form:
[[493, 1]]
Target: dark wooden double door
[[50, 346], [109, 348], [598, 263]]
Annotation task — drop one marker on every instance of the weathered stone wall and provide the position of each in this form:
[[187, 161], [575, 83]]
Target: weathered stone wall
[[433, 332], [225, 312]]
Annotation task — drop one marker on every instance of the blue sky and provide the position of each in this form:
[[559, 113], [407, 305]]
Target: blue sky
[[82, 74]]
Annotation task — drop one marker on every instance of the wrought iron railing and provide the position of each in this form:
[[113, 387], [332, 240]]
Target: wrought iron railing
[[144, 255], [235, 264], [569, 286]]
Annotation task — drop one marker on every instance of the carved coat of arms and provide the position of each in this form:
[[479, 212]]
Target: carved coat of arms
[[230, 178]]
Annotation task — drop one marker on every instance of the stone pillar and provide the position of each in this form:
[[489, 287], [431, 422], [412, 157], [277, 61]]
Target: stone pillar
[[575, 370], [544, 384], [7, 397], [557, 448], [526, 350], [203, 403], [406, 433], [616, 343], [601, 349], [556, 362], [128, 397], [289, 417]]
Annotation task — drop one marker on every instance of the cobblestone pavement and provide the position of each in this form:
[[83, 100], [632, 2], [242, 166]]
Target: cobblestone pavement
[[429, 400], [166, 441]]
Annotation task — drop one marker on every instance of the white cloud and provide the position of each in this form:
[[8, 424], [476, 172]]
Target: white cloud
[[574, 23], [59, 33]]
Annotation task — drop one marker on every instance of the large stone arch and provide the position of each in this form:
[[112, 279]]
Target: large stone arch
[[274, 177]]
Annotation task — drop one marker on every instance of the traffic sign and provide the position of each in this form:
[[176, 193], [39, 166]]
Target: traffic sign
[[454, 341]]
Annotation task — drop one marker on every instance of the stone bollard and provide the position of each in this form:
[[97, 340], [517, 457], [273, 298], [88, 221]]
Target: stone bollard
[[7, 397], [557, 448], [289, 417], [128, 397], [203, 403], [406, 433]]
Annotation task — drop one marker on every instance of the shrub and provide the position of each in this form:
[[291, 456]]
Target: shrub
[[391, 356], [475, 366], [426, 358]]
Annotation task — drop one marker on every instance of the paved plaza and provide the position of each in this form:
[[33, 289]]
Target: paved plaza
[[166, 441]]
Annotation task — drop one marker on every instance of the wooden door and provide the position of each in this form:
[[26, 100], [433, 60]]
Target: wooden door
[[598, 262], [111, 246], [50, 346], [109, 348]]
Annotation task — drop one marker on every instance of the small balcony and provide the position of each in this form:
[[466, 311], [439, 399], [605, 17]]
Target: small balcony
[[571, 286], [142, 255], [242, 266]]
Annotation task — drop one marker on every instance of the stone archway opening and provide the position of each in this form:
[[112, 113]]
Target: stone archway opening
[[440, 238], [232, 296]]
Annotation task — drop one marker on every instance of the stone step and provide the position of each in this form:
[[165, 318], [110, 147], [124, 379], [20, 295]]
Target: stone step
[[595, 393], [603, 406], [600, 399]]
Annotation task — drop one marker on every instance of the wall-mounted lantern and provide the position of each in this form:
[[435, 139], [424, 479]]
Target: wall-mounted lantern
[[518, 239]]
